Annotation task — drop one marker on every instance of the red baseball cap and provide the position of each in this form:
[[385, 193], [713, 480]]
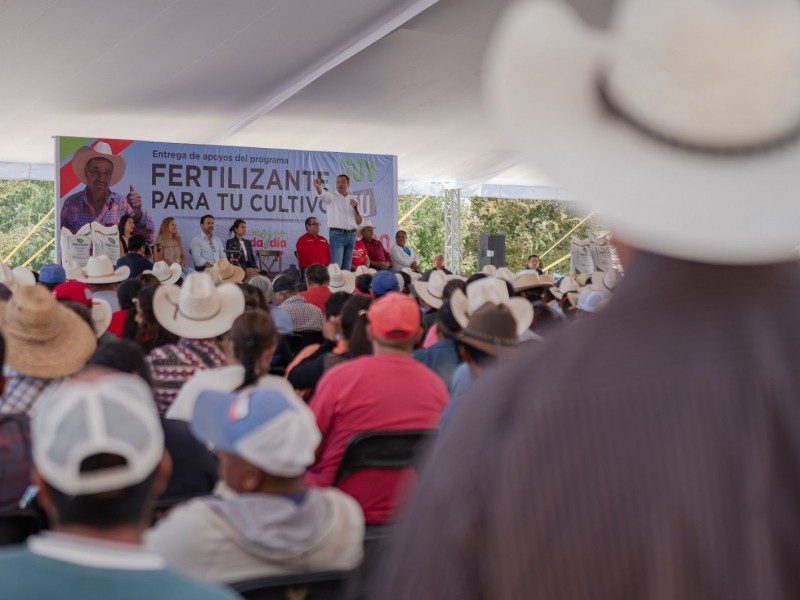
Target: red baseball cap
[[394, 316], [73, 290]]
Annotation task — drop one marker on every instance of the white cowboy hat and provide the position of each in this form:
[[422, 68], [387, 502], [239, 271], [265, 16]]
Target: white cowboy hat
[[341, 281], [225, 272], [362, 270], [490, 270], [413, 274], [364, 224], [73, 270], [101, 315], [100, 150], [685, 142], [494, 290], [24, 276], [7, 277], [605, 281], [100, 270], [565, 285], [198, 309], [504, 273], [165, 273], [431, 292]]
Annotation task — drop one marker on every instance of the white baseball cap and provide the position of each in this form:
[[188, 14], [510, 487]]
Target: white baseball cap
[[267, 426], [114, 414]]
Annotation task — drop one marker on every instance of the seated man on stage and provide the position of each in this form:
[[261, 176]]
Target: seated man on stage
[[312, 247]]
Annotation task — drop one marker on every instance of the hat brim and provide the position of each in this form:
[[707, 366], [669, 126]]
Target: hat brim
[[64, 355], [237, 275], [119, 274], [348, 283], [174, 274], [520, 308], [542, 70], [101, 315], [484, 346], [168, 314], [86, 153], [424, 294]]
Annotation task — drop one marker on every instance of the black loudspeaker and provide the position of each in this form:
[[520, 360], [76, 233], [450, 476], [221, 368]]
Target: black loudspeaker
[[491, 250]]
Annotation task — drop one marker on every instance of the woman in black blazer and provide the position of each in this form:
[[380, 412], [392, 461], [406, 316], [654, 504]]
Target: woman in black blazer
[[237, 247]]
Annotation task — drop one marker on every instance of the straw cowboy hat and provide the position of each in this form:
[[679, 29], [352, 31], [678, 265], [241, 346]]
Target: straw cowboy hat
[[431, 292], [662, 121], [100, 150], [528, 279], [341, 281], [100, 270], [490, 290], [198, 309], [224, 272], [43, 338], [166, 274]]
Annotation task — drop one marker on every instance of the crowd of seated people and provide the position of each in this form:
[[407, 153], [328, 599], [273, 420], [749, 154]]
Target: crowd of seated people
[[206, 353]]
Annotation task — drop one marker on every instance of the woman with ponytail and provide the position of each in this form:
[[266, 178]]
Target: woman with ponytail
[[249, 346]]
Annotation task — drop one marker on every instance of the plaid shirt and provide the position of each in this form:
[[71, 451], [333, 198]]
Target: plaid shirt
[[15, 458], [172, 365], [304, 316], [77, 212], [22, 391]]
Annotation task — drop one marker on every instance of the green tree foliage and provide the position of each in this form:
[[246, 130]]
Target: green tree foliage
[[425, 227], [23, 203], [530, 227]]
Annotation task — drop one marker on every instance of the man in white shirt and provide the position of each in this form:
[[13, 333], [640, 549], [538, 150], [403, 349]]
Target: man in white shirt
[[403, 256], [206, 248], [343, 217]]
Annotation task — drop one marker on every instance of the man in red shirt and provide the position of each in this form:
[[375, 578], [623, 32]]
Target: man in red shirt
[[317, 290], [387, 390], [312, 247], [378, 256]]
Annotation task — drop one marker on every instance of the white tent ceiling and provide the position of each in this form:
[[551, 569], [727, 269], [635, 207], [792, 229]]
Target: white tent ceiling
[[377, 76]]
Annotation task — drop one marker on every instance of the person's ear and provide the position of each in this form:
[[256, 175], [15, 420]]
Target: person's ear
[[43, 497], [251, 479], [163, 472]]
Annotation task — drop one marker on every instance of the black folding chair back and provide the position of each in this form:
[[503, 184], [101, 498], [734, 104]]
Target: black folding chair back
[[382, 450], [17, 524], [323, 585]]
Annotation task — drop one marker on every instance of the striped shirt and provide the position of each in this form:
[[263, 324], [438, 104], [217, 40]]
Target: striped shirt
[[172, 365]]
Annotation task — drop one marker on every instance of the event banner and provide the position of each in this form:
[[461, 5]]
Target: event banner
[[272, 190]]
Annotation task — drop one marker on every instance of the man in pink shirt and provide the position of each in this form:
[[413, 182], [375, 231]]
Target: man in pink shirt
[[387, 390]]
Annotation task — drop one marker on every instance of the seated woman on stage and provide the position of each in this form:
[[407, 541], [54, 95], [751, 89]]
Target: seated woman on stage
[[240, 250], [169, 244], [125, 228]]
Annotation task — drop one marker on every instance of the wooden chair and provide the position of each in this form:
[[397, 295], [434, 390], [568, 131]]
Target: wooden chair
[[267, 260], [327, 585]]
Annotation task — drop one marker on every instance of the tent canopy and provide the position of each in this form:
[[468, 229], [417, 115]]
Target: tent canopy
[[395, 77]]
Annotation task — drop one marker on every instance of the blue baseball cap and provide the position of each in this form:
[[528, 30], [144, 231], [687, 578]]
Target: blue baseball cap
[[52, 273], [383, 282], [268, 427]]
